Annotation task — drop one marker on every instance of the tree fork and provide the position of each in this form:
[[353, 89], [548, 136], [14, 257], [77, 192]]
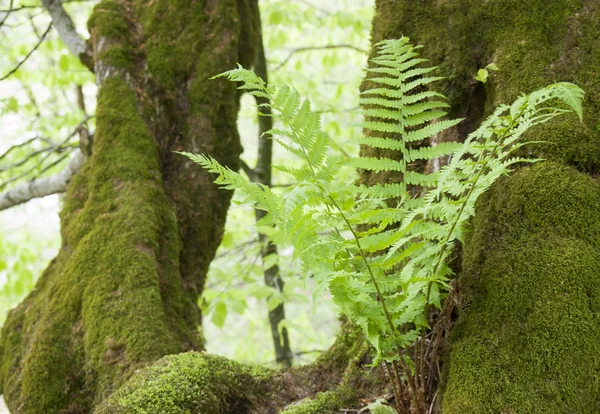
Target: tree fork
[[140, 224]]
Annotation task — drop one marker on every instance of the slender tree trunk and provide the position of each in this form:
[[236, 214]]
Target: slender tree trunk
[[262, 174], [140, 223], [527, 337]]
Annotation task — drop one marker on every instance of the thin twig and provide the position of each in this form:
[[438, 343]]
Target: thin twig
[[22, 144], [37, 6], [309, 4], [16, 68], [8, 12], [249, 171], [311, 48]]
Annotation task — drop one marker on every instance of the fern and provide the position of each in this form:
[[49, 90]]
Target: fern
[[385, 256]]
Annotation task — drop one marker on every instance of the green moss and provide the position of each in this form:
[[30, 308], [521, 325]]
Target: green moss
[[139, 225], [203, 383], [534, 43], [101, 305], [527, 340], [322, 403], [108, 21], [355, 383], [179, 45], [189, 383]]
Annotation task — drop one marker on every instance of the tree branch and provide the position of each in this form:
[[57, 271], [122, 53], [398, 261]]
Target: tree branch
[[43, 186], [8, 12], [309, 48], [262, 174], [36, 6], [16, 68], [66, 30]]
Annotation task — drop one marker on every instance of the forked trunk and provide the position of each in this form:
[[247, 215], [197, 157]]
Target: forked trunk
[[140, 224]]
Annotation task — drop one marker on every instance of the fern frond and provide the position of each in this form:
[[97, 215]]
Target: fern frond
[[377, 164], [258, 195], [385, 255], [430, 130]]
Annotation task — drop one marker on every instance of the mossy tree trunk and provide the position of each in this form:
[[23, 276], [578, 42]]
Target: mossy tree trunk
[[140, 223], [526, 340]]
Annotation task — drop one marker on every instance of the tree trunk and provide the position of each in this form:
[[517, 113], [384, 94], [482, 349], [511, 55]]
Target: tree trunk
[[140, 224], [529, 326]]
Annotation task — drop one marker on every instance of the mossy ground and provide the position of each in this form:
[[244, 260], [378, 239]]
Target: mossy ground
[[190, 383], [203, 383]]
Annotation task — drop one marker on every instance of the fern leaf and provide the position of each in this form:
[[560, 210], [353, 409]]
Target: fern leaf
[[430, 130]]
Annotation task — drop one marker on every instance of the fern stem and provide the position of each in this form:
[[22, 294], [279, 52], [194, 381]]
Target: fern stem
[[393, 329], [449, 235]]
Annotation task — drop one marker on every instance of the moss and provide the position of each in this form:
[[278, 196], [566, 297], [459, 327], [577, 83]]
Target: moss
[[175, 55], [108, 21], [357, 382], [322, 403], [139, 224], [100, 305], [203, 383], [346, 394], [534, 43], [189, 383], [527, 339]]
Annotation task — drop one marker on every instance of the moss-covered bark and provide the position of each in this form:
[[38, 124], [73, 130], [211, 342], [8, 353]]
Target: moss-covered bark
[[526, 340], [195, 382], [140, 224]]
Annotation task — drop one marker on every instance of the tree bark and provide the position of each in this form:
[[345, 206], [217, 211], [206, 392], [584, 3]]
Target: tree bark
[[140, 223], [526, 338]]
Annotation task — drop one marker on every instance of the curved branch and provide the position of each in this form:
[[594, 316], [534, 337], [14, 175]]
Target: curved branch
[[66, 30], [16, 68], [42, 187]]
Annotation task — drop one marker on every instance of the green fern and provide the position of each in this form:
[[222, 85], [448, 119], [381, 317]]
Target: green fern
[[385, 254]]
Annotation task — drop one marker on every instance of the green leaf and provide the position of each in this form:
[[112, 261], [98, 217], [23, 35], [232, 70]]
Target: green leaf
[[12, 104], [274, 300], [227, 241], [482, 75], [219, 314], [379, 408], [276, 17], [270, 260]]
